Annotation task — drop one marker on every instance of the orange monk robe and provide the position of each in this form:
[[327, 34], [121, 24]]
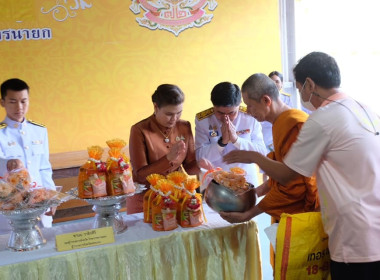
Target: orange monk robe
[[299, 195]]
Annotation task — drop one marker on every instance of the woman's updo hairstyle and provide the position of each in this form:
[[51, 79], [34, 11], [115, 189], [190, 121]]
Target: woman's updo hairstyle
[[167, 94]]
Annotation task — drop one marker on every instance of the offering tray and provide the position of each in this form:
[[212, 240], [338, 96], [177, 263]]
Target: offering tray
[[107, 209], [26, 234]]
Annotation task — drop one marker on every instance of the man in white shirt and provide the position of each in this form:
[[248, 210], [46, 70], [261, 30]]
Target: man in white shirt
[[23, 142], [226, 127], [340, 142]]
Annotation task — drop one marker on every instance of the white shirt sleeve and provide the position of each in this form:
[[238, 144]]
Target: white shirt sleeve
[[307, 152]]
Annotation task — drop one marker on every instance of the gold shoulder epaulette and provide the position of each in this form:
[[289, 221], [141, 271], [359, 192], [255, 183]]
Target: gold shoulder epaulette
[[36, 123], [284, 93], [3, 125], [205, 114], [243, 109]]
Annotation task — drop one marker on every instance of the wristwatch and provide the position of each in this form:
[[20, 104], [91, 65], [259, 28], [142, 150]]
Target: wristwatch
[[220, 142]]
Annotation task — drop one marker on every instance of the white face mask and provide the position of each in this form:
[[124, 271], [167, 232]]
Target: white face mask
[[307, 104]]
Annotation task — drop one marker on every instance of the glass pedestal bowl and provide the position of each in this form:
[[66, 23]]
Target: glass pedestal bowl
[[26, 234], [107, 209]]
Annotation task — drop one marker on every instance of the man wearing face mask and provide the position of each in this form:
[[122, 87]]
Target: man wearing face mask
[[226, 127], [340, 143]]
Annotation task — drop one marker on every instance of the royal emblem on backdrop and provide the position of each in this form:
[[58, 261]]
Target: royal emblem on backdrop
[[173, 15]]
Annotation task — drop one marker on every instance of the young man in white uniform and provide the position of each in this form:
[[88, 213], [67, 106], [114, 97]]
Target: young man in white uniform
[[23, 141], [340, 142], [226, 127]]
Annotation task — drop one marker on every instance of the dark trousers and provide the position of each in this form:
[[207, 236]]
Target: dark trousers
[[355, 271]]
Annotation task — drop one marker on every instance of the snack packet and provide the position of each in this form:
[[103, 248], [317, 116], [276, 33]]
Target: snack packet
[[208, 176], [19, 178], [191, 211], [164, 207], [17, 194], [150, 195], [92, 175], [235, 182], [119, 170]]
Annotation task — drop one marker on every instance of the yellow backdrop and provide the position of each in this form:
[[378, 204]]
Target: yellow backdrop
[[95, 76]]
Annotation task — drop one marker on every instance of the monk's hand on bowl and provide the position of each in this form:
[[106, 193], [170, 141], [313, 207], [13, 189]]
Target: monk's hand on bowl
[[238, 156], [234, 217]]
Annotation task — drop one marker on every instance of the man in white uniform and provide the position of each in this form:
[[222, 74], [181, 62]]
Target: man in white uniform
[[226, 127], [23, 140], [340, 142]]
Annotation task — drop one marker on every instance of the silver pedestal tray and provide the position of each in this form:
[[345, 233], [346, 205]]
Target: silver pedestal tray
[[25, 234], [107, 209]]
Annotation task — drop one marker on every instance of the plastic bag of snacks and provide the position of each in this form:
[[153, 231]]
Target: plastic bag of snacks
[[119, 170], [150, 195], [19, 178], [11, 196], [178, 178], [17, 193], [92, 175], [208, 176], [14, 189], [232, 180], [191, 211], [164, 207]]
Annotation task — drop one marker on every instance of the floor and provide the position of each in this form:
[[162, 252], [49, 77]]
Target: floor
[[263, 221]]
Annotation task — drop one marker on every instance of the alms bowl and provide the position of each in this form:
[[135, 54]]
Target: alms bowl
[[221, 198]]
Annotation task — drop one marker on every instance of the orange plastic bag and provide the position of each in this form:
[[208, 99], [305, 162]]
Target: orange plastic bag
[[190, 208], [119, 170], [164, 207], [150, 195], [92, 175], [178, 178]]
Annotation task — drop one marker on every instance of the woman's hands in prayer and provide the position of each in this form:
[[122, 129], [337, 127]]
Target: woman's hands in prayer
[[176, 151]]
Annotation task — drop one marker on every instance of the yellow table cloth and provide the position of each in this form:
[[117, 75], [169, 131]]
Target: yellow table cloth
[[215, 250]]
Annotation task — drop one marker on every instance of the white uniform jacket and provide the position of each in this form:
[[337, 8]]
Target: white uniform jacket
[[208, 132], [27, 141]]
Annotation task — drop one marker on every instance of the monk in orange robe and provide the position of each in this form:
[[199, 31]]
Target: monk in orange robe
[[301, 194], [261, 96], [262, 99]]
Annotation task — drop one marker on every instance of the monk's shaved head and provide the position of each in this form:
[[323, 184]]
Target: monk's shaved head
[[258, 85]]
